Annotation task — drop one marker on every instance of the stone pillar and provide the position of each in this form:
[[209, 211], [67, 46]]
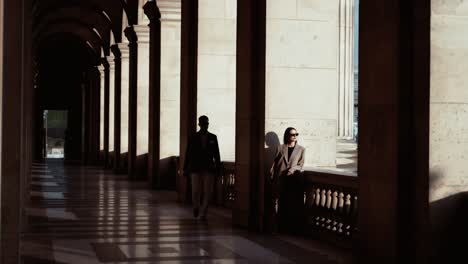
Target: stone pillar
[[15, 88], [248, 209], [154, 16], [142, 32], [132, 100], [170, 91], [86, 117], [96, 114], [101, 111], [117, 104], [111, 156], [124, 106], [188, 85], [92, 102], [346, 69], [393, 126], [106, 65], [217, 70]]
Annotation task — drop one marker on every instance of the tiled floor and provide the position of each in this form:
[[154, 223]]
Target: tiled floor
[[87, 215]]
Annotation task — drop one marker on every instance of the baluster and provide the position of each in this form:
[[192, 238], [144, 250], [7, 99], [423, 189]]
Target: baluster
[[340, 228], [355, 205], [348, 230], [341, 202], [334, 229], [335, 200], [305, 198], [312, 200], [348, 204], [276, 205], [317, 196], [323, 198], [329, 199]]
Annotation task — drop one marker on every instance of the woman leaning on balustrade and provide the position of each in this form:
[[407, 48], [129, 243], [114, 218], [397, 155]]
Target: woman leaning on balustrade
[[286, 170]]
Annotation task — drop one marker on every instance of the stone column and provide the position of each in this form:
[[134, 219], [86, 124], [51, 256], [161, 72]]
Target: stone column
[[15, 90], [94, 91], [132, 100], [106, 65], [111, 61], [248, 209], [96, 114], [87, 116], [124, 106], [346, 69], [188, 85], [101, 111], [142, 126], [170, 91], [117, 104], [394, 126], [154, 16]]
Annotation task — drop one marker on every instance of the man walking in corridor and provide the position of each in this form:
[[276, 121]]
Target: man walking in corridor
[[202, 164]]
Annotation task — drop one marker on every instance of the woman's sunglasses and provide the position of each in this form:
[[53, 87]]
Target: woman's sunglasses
[[295, 135]]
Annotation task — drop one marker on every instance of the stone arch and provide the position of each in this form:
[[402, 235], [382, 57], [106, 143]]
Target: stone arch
[[76, 28]]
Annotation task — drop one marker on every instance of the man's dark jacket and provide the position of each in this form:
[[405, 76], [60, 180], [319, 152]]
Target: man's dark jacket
[[199, 159]]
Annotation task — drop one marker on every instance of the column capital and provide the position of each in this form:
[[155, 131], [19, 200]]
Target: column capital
[[151, 10], [171, 10], [124, 50], [116, 51], [111, 62], [131, 35], [143, 33]]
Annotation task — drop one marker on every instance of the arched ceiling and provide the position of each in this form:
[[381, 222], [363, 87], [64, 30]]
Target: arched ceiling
[[76, 28], [92, 21]]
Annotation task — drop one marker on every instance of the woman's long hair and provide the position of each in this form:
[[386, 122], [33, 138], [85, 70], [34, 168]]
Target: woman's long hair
[[286, 134]]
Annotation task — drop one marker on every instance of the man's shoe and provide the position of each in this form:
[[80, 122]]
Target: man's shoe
[[195, 212]]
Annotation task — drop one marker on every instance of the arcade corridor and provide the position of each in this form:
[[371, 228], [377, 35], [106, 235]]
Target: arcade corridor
[[375, 90], [86, 215]]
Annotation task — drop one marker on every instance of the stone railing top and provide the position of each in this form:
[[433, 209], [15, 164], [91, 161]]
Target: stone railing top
[[330, 177]]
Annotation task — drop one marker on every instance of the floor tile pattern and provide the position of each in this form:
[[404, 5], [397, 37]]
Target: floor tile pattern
[[86, 215]]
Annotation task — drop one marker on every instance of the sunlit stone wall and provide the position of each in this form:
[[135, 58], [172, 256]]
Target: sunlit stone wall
[[217, 70], [124, 98], [170, 87], [142, 32], [101, 106], [449, 99], [302, 74], [111, 101]]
